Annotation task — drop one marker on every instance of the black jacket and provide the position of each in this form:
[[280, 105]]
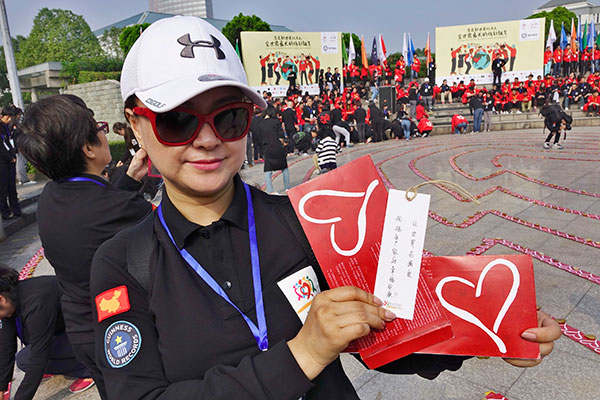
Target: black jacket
[[7, 148], [275, 154], [74, 219], [39, 310], [360, 115], [196, 346]]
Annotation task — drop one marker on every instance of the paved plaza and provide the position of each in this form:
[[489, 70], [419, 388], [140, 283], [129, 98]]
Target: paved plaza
[[540, 202]]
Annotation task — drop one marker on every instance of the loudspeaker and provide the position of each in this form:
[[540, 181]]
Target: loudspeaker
[[387, 96]]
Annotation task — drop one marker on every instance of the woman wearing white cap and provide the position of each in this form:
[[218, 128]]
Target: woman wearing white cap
[[191, 303]]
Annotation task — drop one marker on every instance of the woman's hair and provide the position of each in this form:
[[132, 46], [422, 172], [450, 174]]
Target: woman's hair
[[53, 133], [9, 278], [270, 112], [117, 126]]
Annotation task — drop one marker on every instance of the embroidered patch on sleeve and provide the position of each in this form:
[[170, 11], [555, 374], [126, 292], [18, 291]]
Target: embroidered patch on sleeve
[[112, 302]]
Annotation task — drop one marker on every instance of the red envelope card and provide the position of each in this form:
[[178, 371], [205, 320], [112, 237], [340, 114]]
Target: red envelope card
[[490, 301], [342, 214]]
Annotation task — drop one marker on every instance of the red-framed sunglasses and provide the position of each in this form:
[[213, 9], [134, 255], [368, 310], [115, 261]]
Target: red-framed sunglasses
[[181, 125], [102, 126]]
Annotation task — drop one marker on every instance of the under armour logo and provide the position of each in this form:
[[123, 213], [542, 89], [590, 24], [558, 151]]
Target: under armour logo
[[188, 50]]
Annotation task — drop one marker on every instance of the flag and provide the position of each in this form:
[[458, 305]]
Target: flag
[[579, 35], [592, 39], [381, 52], [573, 34], [374, 58], [428, 50], [345, 52], [584, 38], [412, 49], [405, 48], [365, 63], [551, 36], [352, 52], [563, 37], [237, 48]]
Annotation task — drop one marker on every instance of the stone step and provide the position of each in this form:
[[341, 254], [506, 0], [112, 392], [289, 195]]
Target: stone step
[[446, 119]]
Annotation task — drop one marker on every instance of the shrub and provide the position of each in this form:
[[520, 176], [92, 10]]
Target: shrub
[[117, 149]]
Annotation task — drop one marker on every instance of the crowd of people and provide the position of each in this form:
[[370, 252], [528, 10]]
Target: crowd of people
[[185, 301]]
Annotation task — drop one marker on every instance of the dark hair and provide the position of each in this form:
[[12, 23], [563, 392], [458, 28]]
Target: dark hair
[[53, 133], [9, 278], [11, 110], [270, 112], [117, 126]]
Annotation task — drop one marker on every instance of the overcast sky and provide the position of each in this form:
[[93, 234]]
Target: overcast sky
[[390, 18]]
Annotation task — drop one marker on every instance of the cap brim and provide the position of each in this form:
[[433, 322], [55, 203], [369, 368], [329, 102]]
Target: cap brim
[[174, 93]]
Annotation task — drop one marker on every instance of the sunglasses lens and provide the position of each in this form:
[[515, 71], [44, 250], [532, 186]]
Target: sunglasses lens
[[232, 124], [176, 126]]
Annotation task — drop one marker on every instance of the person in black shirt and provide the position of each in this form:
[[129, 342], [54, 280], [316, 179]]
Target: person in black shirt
[[9, 202], [360, 116], [78, 210], [497, 65], [203, 314], [30, 310], [288, 117], [376, 118]]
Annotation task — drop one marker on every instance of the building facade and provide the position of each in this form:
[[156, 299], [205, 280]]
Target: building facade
[[586, 11], [199, 8]]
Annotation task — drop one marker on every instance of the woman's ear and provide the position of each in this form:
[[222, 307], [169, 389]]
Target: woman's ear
[[88, 151], [135, 125]]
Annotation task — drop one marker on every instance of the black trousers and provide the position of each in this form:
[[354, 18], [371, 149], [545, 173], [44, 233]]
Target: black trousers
[[85, 353], [556, 138], [62, 360], [497, 78], [378, 130], [8, 190], [258, 150]]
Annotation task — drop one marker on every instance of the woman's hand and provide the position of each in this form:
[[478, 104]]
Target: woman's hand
[[336, 318], [545, 334], [138, 168]]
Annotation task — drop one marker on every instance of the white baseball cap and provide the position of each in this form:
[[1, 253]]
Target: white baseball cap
[[178, 58]]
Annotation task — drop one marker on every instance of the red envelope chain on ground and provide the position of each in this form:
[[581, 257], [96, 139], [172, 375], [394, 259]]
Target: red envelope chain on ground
[[490, 301], [343, 214]]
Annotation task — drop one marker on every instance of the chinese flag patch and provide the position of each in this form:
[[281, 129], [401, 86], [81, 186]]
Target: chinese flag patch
[[112, 302]]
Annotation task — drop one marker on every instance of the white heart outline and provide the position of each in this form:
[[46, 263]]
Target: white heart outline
[[467, 316], [361, 221]]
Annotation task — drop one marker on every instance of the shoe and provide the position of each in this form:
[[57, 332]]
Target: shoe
[[304, 154], [546, 145], [566, 108], [557, 146], [81, 384]]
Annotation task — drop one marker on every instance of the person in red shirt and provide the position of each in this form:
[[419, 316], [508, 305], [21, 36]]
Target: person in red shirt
[[514, 101], [584, 63], [595, 59], [302, 67], [263, 69], [593, 104], [425, 127], [421, 113], [459, 124], [513, 55], [401, 97], [415, 68], [557, 59], [547, 61]]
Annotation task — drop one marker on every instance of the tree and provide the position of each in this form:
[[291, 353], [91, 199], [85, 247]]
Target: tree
[[57, 35], [559, 15], [110, 43], [129, 35], [356, 41], [241, 23]]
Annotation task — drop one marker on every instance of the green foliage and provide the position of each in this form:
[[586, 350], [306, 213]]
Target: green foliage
[[356, 41], [57, 35], [73, 70], [30, 169], [129, 35], [110, 43], [94, 76], [241, 23], [559, 15], [392, 59], [117, 149]]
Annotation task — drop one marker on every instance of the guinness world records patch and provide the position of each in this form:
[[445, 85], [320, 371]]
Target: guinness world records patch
[[122, 342]]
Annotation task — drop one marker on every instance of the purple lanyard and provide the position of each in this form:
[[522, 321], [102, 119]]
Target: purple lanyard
[[84, 179], [260, 332], [19, 327]]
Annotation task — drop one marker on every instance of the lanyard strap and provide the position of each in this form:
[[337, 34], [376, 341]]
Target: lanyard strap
[[19, 327], [260, 332], [84, 179]]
